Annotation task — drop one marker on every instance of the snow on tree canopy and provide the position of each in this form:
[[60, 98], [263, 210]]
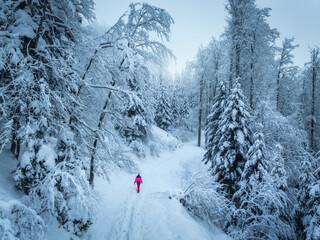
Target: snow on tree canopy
[[23, 25], [213, 122], [47, 155], [234, 140]]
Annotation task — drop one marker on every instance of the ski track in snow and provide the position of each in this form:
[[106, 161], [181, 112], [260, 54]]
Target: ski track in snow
[[124, 214]]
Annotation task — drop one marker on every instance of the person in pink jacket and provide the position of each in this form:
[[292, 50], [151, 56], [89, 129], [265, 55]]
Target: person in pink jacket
[[138, 180]]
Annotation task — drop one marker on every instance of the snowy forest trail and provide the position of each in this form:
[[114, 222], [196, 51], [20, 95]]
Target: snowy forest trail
[[151, 214]]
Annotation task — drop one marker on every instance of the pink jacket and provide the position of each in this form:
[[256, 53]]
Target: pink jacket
[[138, 180]]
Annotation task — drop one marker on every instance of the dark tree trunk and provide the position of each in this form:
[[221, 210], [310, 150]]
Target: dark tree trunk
[[95, 142], [15, 142], [278, 87], [315, 53], [251, 78], [279, 76], [237, 60], [251, 87], [231, 69], [216, 81], [200, 111], [251, 73]]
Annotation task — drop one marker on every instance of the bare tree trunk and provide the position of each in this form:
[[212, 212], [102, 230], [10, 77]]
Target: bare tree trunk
[[251, 75], [314, 56], [87, 70], [208, 108], [216, 81], [95, 142], [237, 63], [200, 111], [231, 69], [15, 142], [102, 115], [251, 87], [251, 95], [278, 87]]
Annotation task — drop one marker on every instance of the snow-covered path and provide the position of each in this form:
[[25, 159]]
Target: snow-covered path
[[151, 214]]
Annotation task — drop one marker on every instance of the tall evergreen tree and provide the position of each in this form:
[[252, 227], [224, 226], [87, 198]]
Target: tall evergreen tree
[[262, 208], [311, 220], [306, 179], [256, 165], [163, 115], [278, 172], [213, 122], [234, 132]]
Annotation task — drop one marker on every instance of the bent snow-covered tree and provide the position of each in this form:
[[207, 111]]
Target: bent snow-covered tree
[[129, 50]]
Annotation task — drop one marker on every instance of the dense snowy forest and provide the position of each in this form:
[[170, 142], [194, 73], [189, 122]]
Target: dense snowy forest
[[79, 102]]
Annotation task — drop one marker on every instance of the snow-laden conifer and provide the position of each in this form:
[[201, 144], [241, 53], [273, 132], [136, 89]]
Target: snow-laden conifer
[[163, 115], [64, 192], [262, 209], [18, 221], [278, 172], [40, 80], [213, 122], [311, 219], [234, 140]]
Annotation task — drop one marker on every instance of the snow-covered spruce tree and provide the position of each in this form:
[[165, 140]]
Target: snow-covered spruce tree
[[262, 210], [17, 221], [306, 178], [163, 114], [278, 172], [65, 192], [311, 218], [177, 110], [214, 118], [256, 165], [235, 136], [38, 158], [40, 82]]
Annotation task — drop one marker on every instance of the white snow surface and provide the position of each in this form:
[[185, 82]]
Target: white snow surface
[[122, 213], [151, 214]]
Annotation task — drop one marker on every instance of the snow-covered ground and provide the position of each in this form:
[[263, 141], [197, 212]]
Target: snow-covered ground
[[122, 213], [151, 214]]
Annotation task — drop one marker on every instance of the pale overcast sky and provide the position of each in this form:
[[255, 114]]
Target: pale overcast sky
[[197, 21]]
